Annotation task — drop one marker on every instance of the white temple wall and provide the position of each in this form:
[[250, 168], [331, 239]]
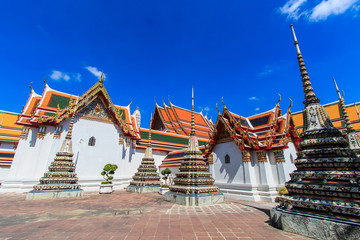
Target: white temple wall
[[290, 154], [250, 180], [232, 172], [4, 171], [34, 155]]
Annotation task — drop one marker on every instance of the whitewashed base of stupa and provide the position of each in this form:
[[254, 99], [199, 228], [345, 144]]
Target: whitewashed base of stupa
[[48, 194], [314, 225], [142, 189], [194, 200]]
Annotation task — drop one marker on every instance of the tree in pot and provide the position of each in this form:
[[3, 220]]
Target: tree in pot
[[107, 173], [166, 172]]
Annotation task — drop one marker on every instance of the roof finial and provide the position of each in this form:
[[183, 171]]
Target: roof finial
[[31, 86], [155, 102], [192, 114], [337, 89], [222, 100], [291, 103], [130, 103], [45, 80], [310, 96], [278, 102], [169, 100], [218, 109], [102, 77], [162, 98]]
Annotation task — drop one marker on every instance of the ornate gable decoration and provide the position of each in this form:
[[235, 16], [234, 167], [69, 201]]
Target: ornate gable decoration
[[96, 111]]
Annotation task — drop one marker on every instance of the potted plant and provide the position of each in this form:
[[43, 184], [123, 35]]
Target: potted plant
[[165, 187], [108, 170]]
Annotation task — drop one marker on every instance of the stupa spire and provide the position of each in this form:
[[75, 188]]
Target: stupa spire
[[192, 114], [310, 96], [349, 127]]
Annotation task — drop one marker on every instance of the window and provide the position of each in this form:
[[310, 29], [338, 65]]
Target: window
[[227, 158], [92, 141]]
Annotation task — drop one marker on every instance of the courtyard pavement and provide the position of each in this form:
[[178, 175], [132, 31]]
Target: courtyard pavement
[[123, 215]]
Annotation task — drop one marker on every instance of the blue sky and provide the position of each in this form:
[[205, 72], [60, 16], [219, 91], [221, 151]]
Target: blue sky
[[240, 50]]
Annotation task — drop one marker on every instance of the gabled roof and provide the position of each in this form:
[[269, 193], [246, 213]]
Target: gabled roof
[[336, 116], [174, 119], [52, 107], [164, 141], [9, 134], [267, 130]]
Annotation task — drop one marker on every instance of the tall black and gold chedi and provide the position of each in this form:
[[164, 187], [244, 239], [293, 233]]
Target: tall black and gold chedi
[[146, 179], [194, 184], [326, 181], [61, 180]]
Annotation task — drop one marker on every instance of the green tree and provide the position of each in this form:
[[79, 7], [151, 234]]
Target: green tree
[[166, 172], [108, 170]]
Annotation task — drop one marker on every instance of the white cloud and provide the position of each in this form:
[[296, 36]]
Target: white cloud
[[58, 76], [95, 71], [266, 71], [253, 98], [206, 109], [257, 109], [331, 7], [315, 11], [292, 8], [77, 76]]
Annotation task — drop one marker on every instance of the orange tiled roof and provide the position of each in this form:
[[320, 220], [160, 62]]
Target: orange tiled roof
[[173, 119], [52, 107], [267, 130], [333, 110], [9, 133]]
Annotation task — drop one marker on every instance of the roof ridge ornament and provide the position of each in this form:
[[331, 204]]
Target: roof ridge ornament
[[218, 109], [291, 104], [310, 96], [278, 102], [31, 87], [222, 100], [45, 81], [155, 102], [169, 101], [102, 77]]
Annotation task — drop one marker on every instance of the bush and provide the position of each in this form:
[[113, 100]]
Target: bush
[[283, 191], [108, 170], [105, 182], [165, 186]]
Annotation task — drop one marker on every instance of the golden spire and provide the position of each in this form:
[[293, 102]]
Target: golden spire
[[192, 114], [310, 96]]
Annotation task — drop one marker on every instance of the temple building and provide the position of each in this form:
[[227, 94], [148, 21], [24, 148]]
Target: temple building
[[102, 133], [9, 138], [251, 157]]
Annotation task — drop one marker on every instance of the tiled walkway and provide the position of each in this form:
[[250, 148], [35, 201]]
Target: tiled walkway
[[123, 215]]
